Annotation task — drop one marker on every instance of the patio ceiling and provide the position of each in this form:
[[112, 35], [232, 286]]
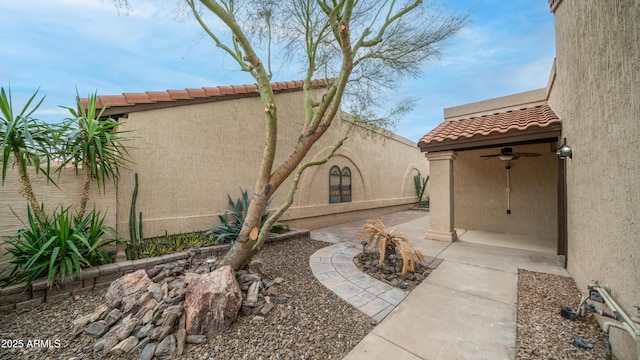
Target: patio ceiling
[[528, 125]]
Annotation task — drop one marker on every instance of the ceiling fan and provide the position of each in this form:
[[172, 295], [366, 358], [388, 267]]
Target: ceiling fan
[[506, 154]]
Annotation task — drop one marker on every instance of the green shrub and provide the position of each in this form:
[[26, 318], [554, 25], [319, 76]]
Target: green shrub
[[174, 243], [65, 245]]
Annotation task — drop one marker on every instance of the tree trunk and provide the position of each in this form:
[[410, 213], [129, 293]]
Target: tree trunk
[[27, 190], [244, 247], [85, 190]]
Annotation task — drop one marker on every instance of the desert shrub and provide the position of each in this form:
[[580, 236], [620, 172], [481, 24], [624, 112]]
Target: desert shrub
[[387, 241]]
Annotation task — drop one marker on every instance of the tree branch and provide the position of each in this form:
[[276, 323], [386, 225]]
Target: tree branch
[[264, 232], [236, 54]]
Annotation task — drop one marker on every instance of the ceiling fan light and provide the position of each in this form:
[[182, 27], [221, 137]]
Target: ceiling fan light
[[506, 157]]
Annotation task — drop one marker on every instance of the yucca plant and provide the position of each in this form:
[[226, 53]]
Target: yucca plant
[[387, 241], [93, 143], [65, 245], [25, 142]]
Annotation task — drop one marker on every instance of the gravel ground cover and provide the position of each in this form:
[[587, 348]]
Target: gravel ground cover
[[313, 324], [542, 333]]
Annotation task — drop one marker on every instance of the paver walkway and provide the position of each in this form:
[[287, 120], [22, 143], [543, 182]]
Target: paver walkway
[[465, 309], [333, 266]]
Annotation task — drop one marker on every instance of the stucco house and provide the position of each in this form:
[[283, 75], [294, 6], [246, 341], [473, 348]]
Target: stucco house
[[583, 204], [192, 147]]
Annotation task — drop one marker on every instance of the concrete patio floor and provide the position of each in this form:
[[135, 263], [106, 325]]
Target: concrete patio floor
[[465, 309]]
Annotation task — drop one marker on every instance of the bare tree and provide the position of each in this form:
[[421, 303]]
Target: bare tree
[[355, 46]]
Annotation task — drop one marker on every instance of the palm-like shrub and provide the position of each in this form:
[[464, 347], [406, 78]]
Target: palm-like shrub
[[25, 142], [94, 144], [387, 241], [65, 245]]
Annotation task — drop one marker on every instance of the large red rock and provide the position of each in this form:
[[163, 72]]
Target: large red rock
[[129, 284], [212, 302]]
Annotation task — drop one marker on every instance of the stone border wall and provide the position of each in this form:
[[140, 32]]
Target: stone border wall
[[98, 277]]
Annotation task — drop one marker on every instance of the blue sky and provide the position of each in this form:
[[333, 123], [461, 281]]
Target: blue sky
[[90, 45]]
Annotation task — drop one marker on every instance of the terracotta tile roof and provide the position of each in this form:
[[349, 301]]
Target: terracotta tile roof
[[465, 133], [164, 98]]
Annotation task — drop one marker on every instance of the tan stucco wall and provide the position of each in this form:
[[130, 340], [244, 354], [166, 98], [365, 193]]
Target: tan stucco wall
[[597, 96], [481, 198], [189, 157], [66, 194]]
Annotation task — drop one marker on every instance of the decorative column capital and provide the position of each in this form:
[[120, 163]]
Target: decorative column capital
[[441, 155]]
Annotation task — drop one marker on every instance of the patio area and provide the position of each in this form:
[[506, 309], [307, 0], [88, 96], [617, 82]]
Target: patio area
[[466, 308]]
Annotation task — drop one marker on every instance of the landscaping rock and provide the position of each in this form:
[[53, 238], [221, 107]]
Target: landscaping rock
[[252, 293], [212, 302], [181, 336], [158, 333], [195, 339], [96, 329], [127, 285], [136, 319], [156, 290], [166, 349], [124, 346], [148, 351], [110, 341], [128, 324], [151, 273], [255, 267], [144, 331], [113, 317]]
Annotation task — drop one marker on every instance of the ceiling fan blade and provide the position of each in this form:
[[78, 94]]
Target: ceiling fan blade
[[527, 154], [490, 156]]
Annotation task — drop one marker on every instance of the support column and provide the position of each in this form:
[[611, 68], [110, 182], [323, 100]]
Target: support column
[[441, 196]]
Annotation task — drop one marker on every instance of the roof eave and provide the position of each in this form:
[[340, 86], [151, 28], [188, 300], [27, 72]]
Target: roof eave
[[531, 135]]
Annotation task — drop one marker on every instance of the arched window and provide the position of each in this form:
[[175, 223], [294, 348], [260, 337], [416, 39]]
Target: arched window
[[339, 185], [345, 188]]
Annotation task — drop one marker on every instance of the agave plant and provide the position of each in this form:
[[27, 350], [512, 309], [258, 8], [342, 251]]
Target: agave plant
[[65, 245], [387, 241], [94, 144], [233, 218], [27, 142]]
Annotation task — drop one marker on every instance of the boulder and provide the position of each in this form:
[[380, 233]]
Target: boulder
[[129, 284], [212, 302]]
